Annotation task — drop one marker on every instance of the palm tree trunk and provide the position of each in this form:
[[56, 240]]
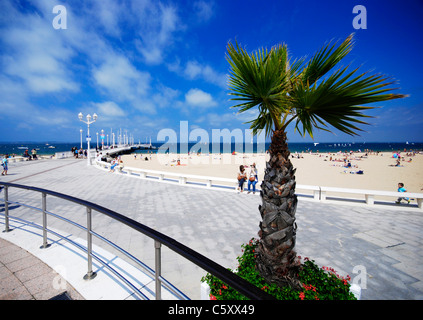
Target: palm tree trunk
[[276, 258]]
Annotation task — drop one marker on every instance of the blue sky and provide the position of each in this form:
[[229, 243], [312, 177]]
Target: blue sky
[[146, 65]]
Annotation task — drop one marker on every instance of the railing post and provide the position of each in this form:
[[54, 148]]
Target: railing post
[[158, 271], [90, 274], [44, 208], [6, 209]]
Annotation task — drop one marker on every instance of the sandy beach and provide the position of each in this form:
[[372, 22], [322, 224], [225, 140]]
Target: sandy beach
[[321, 169]]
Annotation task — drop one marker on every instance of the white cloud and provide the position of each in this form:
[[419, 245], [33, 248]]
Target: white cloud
[[247, 115], [123, 82], [217, 120], [158, 23], [165, 96], [37, 56], [44, 71], [194, 70], [199, 98], [15, 103], [108, 13], [109, 109], [204, 10]]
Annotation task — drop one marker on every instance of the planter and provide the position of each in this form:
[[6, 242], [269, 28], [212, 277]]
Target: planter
[[355, 289]]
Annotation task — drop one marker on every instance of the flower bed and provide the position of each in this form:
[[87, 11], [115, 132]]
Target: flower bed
[[318, 283]]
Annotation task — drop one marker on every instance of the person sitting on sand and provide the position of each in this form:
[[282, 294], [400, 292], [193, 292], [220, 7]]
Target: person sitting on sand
[[242, 177], [402, 189], [397, 164]]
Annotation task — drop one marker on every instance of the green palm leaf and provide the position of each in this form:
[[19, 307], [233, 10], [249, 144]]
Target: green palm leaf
[[338, 101], [285, 92], [259, 80]]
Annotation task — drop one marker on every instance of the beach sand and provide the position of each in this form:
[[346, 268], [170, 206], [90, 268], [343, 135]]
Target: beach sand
[[323, 169]]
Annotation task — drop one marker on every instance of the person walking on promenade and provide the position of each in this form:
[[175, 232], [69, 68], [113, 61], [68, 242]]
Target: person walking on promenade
[[253, 178], [4, 163], [402, 189]]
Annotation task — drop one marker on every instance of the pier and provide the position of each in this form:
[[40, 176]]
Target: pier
[[112, 152]]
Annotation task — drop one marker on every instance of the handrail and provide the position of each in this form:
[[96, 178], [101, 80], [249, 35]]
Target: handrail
[[230, 278]]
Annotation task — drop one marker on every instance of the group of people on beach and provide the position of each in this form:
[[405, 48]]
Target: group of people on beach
[[251, 177], [146, 158], [81, 153], [32, 156]]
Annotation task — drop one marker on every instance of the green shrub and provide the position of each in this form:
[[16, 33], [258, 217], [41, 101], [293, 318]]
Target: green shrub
[[318, 283]]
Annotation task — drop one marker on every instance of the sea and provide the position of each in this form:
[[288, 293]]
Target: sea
[[49, 148]]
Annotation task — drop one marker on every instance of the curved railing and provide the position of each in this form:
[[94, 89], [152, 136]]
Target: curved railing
[[239, 284]]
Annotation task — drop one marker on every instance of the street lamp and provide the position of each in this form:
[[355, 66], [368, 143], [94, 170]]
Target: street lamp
[[88, 122], [102, 139], [80, 130]]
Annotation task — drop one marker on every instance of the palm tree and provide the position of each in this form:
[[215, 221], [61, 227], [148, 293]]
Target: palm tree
[[295, 92]]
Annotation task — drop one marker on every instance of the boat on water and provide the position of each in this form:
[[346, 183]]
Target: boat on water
[[22, 147]]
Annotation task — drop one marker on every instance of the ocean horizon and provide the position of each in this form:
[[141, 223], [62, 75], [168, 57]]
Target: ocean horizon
[[50, 148]]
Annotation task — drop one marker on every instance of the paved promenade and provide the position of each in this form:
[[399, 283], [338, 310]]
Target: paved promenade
[[378, 246]]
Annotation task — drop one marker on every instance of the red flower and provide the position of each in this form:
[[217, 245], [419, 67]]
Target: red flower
[[302, 295], [212, 297], [309, 287]]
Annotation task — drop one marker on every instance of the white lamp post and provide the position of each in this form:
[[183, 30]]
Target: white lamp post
[[88, 122], [102, 139], [80, 130]]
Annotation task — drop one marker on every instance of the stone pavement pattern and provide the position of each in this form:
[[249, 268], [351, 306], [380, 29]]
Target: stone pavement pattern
[[25, 277], [380, 247]]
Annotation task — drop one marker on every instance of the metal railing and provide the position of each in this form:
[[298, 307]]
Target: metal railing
[[239, 284]]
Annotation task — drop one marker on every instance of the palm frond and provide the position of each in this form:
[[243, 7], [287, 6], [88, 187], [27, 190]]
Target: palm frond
[[326, 59], [338, 101], [304, 92], [258, 80]]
